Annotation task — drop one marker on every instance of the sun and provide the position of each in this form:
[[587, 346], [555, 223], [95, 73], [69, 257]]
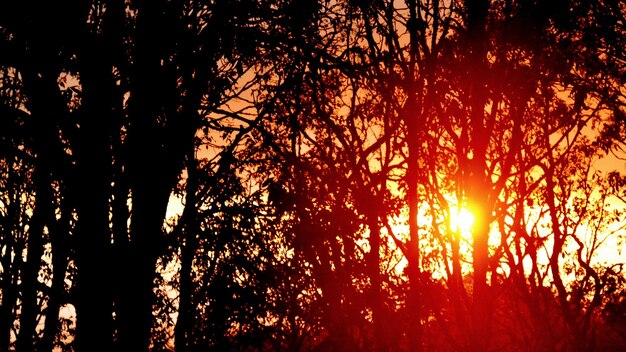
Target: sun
[[461, 220]]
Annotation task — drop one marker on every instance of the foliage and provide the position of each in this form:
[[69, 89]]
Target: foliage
[[288, 175]]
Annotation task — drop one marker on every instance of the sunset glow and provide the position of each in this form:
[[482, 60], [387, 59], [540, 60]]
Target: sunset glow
[[462, 220], [312, 176]]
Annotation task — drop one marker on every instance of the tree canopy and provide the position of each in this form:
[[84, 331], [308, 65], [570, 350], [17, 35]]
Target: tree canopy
[[312, 175]]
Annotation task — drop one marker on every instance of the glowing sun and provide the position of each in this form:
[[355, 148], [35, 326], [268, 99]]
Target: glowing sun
[[461, 220]]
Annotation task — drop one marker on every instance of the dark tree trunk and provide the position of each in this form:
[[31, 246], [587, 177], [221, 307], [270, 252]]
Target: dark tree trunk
[[60, 252], [46, 110], [157, 141], [184, 323], [411, 114], [149, 205], [413, 258], [478, 187], [413, 268], [9, 297], [151, 174], [30, 282], [380, 334], [93, 254], [9, 261]]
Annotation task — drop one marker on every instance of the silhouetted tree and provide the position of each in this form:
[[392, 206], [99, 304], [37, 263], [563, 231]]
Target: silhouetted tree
[[283, 175]]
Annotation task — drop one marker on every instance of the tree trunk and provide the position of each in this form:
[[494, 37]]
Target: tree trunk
[[45, 111], [93, 253], [149, 205], [184, 323], [30, 275], [377, 304], [60, 252], [148, 174], [9, 297], [411, 114], [478, 187], [9, 261], [414, 270], [147, 169], [158, 136]]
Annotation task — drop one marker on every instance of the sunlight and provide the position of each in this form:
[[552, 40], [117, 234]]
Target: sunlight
[[461, 220]]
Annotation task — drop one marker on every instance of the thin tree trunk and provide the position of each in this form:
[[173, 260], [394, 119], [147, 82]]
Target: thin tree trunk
[[9, 261], [411, 116], [120, 215], [195, 80], [378, 316], [414, 270], [30, 274], [45, 108], [60, 252], [578, 336], [184, 324], [8, 286], [478, 189]]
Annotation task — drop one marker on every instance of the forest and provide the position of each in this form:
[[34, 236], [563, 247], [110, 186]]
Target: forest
[[312, 175]]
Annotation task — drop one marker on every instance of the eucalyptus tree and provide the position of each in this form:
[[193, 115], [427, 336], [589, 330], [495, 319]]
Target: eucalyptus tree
[[320, 150], [518, 116], [467, 79], [114, 144], [336, 138]]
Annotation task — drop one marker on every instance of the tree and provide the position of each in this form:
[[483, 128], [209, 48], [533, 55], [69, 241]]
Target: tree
[[135, 107], [316, 156]]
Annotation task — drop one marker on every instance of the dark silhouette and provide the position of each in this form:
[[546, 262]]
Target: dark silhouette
[[286, 175]]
